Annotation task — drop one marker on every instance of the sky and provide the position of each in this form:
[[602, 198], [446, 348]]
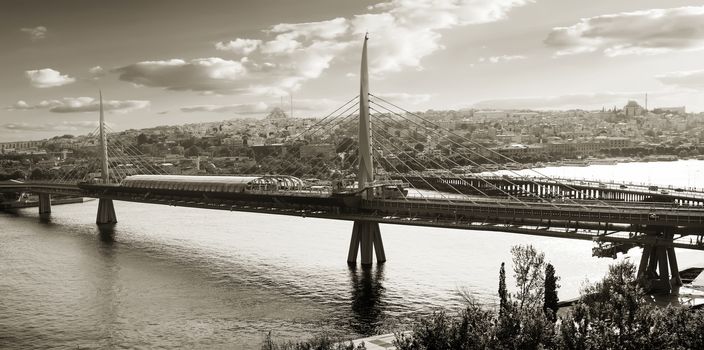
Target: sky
[[162, 62]]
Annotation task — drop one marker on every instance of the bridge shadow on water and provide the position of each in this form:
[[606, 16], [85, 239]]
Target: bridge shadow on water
[[23, 213], [15, 213], [368, 292]]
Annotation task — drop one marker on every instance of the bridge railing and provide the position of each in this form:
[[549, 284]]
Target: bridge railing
[[574, 181], [620, 186], [650, 215], [315, 192]]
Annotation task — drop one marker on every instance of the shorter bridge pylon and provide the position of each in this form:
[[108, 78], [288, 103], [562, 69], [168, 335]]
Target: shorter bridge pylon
[[366, 234], [659, 262], [106, 212], [44, 204]]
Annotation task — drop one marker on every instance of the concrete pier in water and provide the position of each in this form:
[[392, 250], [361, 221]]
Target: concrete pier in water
[[659, 262], [44, 204], [367, 236]]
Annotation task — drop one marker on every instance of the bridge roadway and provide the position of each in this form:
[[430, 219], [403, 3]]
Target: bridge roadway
[[616, 222]]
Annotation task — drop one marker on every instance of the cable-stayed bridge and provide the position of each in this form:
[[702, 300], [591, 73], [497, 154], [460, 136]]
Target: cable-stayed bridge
[[380, 175]]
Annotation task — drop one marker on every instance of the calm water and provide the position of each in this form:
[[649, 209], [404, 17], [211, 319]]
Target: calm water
[[168, 277]]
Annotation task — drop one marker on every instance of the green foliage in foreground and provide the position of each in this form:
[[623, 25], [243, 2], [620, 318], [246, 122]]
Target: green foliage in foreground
[[611, 314], [614, 313], [321, 342]]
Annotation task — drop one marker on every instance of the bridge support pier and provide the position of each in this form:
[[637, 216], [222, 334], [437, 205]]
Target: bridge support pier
[[106, 212], [44, 204], [657, 263], [366, 234]]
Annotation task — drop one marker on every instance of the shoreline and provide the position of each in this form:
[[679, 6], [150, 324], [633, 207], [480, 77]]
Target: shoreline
[[581, 162], [598, 161], [31, 204]]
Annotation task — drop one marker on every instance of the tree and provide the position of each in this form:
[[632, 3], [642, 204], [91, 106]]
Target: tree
[[193, 151], [529, 272], [551, 286], [142, 139], [38, 174], [18, 175], [611, 314], [346, 145], [503, 299]]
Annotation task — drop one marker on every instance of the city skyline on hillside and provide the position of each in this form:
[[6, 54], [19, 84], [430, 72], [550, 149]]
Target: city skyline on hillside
[[162, 63]]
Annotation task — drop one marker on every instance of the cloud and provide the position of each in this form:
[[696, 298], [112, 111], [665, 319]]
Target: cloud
[[327, 30], [693, 79], [21, 105], [97, 72], [646, 32], [287, 55], [249, 108], [200, 74], [47, 77], [283, 44], [403, 98], [405, 32], [292, 36], [569, 101], [217, 75], [502, 58], [52, 126], [36, 33], [239, 46], [81, 104], [307, 105]]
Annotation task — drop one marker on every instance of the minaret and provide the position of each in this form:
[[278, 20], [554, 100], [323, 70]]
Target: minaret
[[105, 176], [366, 170]]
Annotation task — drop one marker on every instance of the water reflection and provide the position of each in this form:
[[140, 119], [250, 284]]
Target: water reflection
[[106, 233], [368, 303], [45, 218], [106, 297], [15, 213]]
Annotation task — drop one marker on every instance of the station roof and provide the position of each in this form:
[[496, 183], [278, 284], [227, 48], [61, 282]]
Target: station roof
[[192, 178], [239, 181]]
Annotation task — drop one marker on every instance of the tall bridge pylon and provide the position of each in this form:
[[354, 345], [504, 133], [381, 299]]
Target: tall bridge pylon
[[106, 209], [366, 168], [365, 234]]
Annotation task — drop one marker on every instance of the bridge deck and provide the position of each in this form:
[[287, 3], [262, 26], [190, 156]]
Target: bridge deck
[[588, 220]]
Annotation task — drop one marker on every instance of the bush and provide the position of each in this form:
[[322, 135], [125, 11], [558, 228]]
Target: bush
[[614, 313], [468, 330], [321, 342]]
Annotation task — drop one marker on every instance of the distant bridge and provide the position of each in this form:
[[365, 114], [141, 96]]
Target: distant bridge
[[616, 216], [559, 188]]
